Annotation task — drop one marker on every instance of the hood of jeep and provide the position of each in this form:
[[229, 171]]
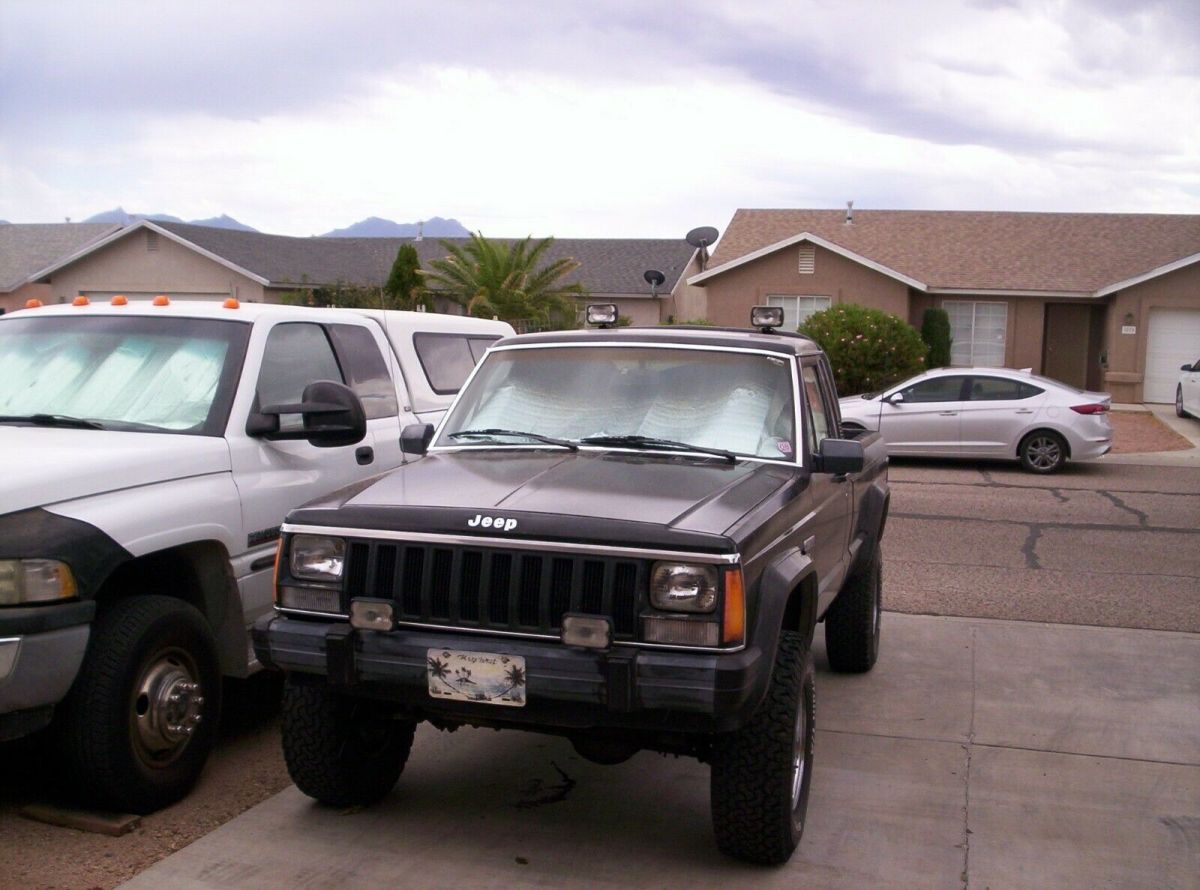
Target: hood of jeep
[[555, 495]]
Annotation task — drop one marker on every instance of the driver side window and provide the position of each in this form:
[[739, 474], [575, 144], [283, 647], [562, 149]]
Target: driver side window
[[296, 354], [818, 425], [939, 389]]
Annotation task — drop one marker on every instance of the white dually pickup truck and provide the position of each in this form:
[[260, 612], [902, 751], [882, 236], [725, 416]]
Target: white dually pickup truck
[[150, 451]]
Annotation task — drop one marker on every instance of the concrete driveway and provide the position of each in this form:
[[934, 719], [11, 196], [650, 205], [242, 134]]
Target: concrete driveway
[[978, 753]]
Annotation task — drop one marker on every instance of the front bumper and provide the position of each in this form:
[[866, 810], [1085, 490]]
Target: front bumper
[[566, 688], [41, 649]]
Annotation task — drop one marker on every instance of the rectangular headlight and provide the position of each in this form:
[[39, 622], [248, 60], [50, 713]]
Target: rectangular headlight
[[35, 581], [683, 587], [317, 558]]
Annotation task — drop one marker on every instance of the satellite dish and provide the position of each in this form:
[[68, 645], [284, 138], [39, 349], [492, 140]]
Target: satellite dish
[[654, 278], [700, 238]]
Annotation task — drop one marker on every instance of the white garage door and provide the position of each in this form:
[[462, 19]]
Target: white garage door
[[1173, 339]]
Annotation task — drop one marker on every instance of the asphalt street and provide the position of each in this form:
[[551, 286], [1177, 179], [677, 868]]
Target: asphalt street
[[1116, 545]]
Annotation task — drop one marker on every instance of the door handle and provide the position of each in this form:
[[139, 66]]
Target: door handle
[[364, 455], [947, 413], [1024, 410]]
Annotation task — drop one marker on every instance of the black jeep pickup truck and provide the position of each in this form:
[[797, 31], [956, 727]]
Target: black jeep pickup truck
[[623, 536]]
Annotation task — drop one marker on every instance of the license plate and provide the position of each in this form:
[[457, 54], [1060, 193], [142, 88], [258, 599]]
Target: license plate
[[482, 677]]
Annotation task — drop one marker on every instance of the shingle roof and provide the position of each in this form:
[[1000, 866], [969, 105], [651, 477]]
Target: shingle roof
[[607, 265], [26, 249], [983, 250]]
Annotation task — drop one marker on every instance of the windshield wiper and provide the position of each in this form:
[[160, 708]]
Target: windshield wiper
[[62, 420], [492, 432], [649, 442]]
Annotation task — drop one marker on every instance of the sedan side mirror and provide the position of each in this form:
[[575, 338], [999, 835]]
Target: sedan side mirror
[[895, 398], [839, 457], [415, 438], [333, 416], [1186, 368]]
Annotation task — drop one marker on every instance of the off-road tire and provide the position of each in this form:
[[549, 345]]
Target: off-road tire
[[133, 642], [852, 622], [339, 750], [1042, 452], [752, 790]]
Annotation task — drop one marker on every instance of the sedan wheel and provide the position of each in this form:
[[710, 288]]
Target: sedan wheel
[[1043, 452], [1179, 412]]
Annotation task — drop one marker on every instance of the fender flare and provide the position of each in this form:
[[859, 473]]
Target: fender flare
[[787, 595]]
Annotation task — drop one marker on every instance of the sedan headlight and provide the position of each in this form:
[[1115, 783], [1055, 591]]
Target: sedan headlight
[[35, 581], [681, 587], [316, 558]]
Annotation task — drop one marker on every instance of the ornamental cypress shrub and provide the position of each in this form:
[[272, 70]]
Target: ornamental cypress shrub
[[868, 348], [935, 331]]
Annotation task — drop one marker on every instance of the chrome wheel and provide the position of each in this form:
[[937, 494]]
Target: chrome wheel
[[799, 759], [1043, 452], [167, 706]]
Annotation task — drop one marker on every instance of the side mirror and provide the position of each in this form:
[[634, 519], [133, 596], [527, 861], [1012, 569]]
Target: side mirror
[[333, 416], [415, 438], [839, 457], [1186, 368], [895, 398]]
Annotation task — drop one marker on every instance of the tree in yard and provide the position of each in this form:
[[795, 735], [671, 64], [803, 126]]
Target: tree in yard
[[508, 281], [869, 349], [935, 331], [404, 287]]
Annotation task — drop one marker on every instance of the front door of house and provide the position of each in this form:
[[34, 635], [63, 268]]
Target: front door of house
[[1065, 344]]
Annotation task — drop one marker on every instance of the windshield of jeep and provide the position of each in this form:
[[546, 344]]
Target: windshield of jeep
[[164, 375], [732, 401]]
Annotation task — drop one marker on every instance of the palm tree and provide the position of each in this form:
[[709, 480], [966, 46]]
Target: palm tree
[[504, 280]]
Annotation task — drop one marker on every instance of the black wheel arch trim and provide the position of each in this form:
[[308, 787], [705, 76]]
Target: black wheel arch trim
[[783, 577], [16, 620], [38, 533]]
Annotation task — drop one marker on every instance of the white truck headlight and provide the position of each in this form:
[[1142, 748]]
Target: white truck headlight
[[680, 587], [317, 558], [35, 581]]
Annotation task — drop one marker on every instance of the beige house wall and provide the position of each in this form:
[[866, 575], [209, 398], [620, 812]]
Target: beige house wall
[[16, 300], [687, 302], [127, 266], [1127, 352], [732, 294]]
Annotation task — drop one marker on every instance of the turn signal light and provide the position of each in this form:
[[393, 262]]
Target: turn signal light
[[1094, 408], [734, 624], [161, 300]]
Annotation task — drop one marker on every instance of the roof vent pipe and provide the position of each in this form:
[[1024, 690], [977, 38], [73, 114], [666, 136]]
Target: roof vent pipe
[[420, 231], [849, 212]]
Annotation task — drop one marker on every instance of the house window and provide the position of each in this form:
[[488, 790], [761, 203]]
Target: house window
[[808, 259], [796, 309], [978, 332]]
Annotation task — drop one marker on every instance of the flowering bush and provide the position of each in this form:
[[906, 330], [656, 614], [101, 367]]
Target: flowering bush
[[868, 348]]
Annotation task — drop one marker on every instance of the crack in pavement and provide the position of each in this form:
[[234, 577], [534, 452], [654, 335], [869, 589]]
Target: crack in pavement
[[1059, 496], [1072, 526], [1143, 518], [1030, 546], [923, 484]]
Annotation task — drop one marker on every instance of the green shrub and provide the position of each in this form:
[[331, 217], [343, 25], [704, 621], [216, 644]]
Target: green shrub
[[935, 331], [869, 349]]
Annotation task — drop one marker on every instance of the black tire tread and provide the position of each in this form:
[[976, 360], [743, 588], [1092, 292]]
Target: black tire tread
[[321, 757], [95, 749], [751, 809], [849, 624]]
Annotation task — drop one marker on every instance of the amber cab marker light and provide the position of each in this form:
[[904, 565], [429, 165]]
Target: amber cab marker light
[[80, 300], [231, 303], [275, 573], [33, 303], [162, 300], [734, 625], [119, 300]]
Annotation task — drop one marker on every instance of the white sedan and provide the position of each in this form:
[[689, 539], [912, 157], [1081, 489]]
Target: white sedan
[[986, 412], [1187, 393]]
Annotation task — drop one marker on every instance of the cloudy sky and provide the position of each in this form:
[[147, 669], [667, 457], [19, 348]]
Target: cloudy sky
[[593, 119]]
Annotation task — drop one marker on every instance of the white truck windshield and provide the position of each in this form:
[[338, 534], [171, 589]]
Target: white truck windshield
[[170, 375], [733, 401]]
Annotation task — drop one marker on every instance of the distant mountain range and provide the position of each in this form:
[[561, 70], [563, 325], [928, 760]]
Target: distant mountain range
[[374, 227], [371, 227]]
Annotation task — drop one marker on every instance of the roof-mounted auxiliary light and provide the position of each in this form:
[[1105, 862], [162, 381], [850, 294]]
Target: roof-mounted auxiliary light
[[602, 314], [80, 300], [766, 318], [120, 300], [231, 303], [33, 303], [162, 300]]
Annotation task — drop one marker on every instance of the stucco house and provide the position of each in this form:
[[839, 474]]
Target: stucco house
[[198, 262], [1100, 300], [27, 249]]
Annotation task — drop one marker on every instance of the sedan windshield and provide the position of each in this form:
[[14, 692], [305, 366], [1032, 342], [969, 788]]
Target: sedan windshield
[[125, 373], [638, 397]]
